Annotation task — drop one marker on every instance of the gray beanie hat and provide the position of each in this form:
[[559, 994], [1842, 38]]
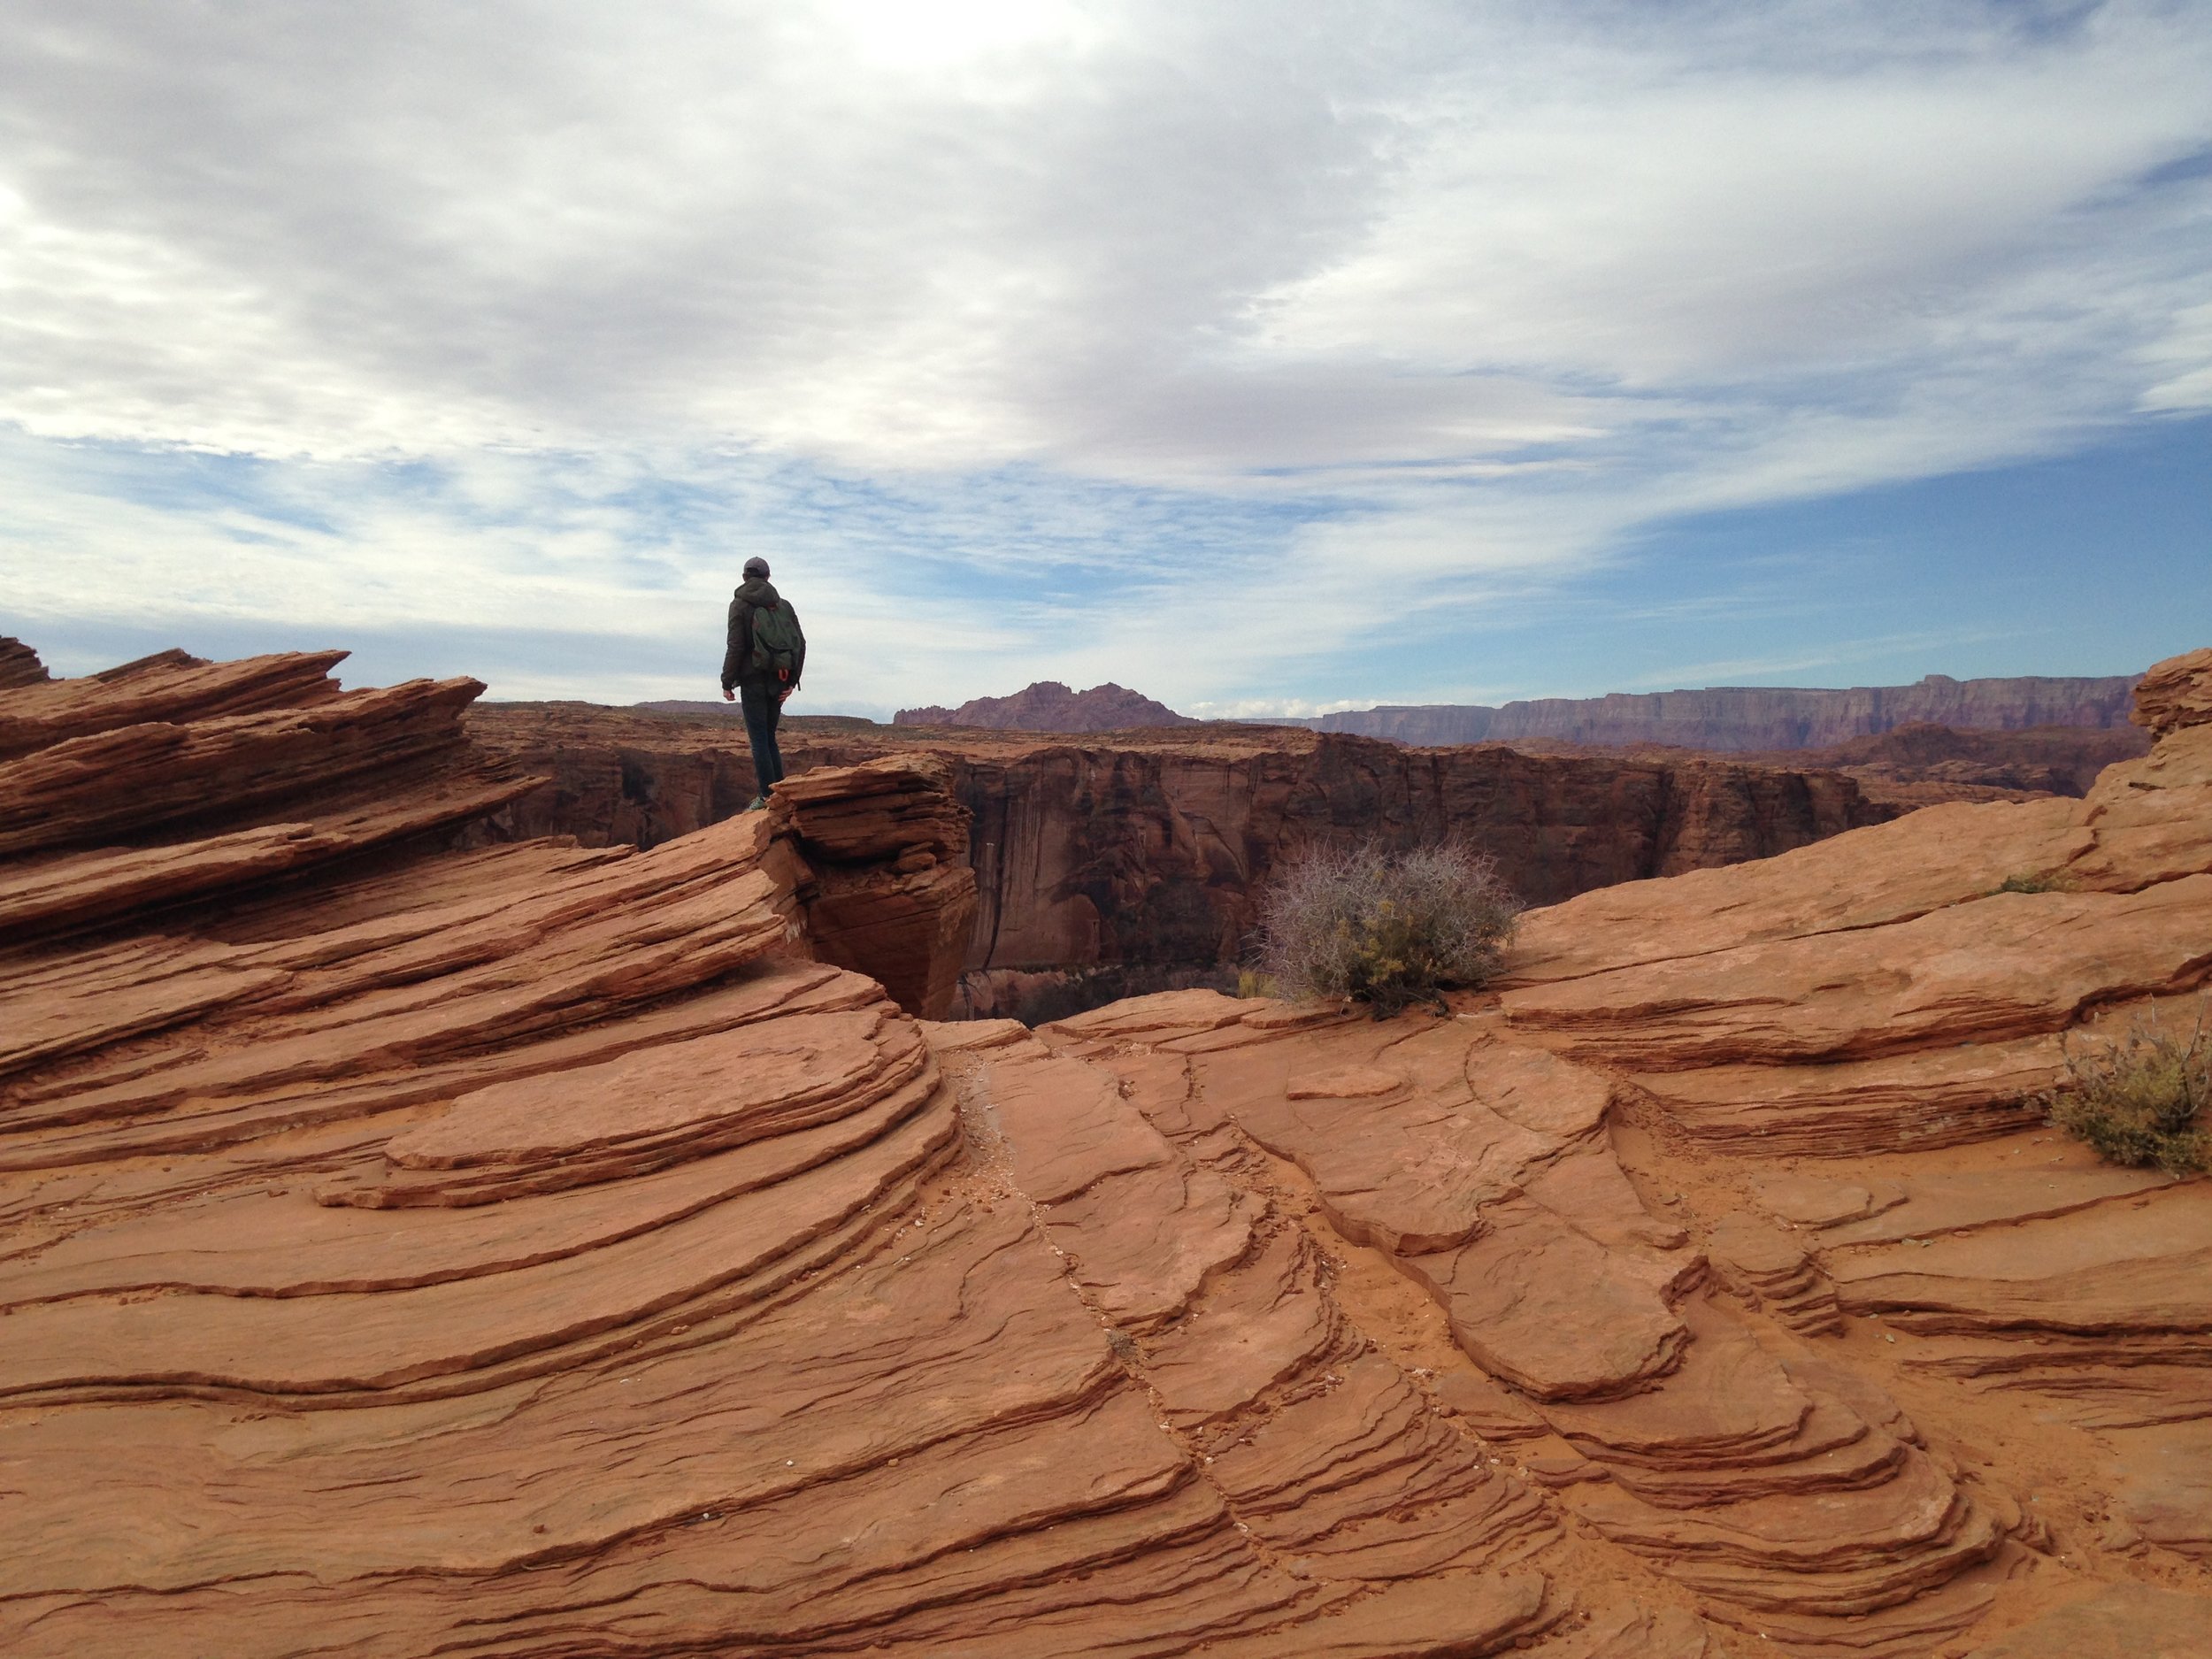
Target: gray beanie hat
[[756, 567]]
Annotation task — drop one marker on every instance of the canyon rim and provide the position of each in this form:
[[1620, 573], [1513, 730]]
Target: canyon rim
[[420, 1245]]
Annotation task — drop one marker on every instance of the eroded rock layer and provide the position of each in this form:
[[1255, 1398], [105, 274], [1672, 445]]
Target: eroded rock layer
[[1136, 862], [536, 1249]]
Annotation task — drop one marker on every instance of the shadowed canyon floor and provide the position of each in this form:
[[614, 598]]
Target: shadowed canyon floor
[[534, 1249]]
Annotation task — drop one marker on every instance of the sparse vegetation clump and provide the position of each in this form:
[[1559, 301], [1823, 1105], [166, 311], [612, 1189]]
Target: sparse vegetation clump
[[1388, 928], [2141, 1098], [1253, 982], [2038, 881]]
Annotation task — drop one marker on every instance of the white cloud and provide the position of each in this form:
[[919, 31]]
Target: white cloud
[[1150, 315]]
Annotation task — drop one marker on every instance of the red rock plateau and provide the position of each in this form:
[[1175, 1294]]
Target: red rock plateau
[[1131, 862], [1756, 718], [1049, 706], [537, 1250], [1920, 765]]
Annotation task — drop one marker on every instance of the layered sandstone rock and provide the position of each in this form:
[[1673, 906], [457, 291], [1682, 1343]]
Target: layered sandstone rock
[[2175, 693], [1738, 1200], [530, 1248], [1795, 1501], [887, 888], [165, 688], [1130, 863], [173, 779], [19, 664]]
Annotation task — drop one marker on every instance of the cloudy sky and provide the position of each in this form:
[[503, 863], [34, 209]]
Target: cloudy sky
[[1265, 357]]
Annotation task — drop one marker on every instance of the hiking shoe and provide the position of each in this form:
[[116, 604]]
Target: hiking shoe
[[756, 804]]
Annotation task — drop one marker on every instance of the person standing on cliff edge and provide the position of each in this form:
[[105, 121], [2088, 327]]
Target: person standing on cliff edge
[[761, 668]]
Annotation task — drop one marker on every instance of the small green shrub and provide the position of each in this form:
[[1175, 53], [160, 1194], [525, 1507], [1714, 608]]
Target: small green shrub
[[1251, 982], [2140, 1098], [1387, 928], [2038, 882]]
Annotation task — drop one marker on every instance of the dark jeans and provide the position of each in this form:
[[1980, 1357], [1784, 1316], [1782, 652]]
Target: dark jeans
[[763, 708]]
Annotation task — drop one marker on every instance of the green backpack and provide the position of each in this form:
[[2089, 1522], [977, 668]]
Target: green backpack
[[778, 645]]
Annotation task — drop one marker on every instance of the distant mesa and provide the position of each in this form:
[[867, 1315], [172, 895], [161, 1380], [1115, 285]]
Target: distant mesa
[[1753, 718], [1049, 706]]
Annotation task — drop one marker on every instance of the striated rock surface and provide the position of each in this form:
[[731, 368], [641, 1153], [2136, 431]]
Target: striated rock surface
[[1754, 717], [1130, 863], [1049, 706], [530, 1248], [2175, 693], [171, 779], [19, 664], [167, 688], [887, 888]]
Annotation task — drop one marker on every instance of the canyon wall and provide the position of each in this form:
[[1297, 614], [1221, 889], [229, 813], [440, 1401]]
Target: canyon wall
[[1753, 716], [1917, 764], [1115, 867]]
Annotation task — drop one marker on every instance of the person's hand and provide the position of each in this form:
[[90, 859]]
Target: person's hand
[[784, 694], [729, 696]]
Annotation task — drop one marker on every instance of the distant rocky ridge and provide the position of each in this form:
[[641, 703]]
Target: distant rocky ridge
[[1725, 718], [1918, 764], [1753, 717], [1049, 706]]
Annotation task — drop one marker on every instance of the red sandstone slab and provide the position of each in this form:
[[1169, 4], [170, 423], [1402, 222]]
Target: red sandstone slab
[[1501, 1295], [202, 1104], [2162, 1478], [686, 1092], [1140, 1244], [2134, 1268], [1258, 1324], [137, 776], [2116, 1621], [76, 889], [1931, 1097], [1928, 1205], [2007, 967], [1872, 877], [385, 1339], [265, 1239], [1729, 1401], [1066, 1125], [2147, 817], [168, 687]]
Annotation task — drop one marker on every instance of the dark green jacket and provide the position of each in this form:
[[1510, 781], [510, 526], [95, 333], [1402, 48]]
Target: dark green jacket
[[737, 657]]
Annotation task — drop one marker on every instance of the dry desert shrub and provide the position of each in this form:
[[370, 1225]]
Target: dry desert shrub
[[2038, 881], [1388, 928], [2140, 1098]]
